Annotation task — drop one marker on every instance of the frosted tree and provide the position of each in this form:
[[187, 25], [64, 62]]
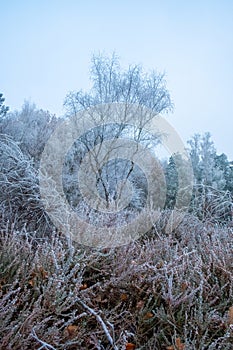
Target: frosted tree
[[30, 128], [211, 198], [3, 109], [112, 84]]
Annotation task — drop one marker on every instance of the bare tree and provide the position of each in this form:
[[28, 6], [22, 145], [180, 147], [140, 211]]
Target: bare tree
[[126, 88], [112, 84]]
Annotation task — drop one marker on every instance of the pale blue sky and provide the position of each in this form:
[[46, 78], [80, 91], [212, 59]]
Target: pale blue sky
[[46, 48]]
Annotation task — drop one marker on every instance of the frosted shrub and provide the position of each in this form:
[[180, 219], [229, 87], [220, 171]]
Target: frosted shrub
[[19, 195]]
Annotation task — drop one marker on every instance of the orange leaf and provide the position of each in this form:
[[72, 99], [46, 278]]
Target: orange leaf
[[124, 297], [72, 329], [179, 345], [184, 286], [32, 282], [43, 273], [130, 346], [148, 315], [83, 286], [230, 315]]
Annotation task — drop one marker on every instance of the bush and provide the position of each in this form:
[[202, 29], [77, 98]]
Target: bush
[[20, 196], [163, 292], [30, 128]]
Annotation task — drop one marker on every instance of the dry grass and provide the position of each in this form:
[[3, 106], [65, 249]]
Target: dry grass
[[165, 292]]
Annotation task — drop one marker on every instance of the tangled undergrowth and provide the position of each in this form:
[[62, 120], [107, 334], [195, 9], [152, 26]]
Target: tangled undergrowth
[[20, 203], [165, 291]]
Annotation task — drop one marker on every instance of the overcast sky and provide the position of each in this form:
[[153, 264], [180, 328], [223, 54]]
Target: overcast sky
[[46, 47]]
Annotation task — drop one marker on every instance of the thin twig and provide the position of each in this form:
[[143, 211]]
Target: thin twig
[[44, 344], [100, 320]]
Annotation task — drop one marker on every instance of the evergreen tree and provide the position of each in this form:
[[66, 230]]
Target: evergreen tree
[[213, 180], [171, 176], [222, 163], [3, 109]]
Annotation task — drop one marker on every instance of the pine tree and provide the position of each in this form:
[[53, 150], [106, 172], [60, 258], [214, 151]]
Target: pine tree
[[3, 109]]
